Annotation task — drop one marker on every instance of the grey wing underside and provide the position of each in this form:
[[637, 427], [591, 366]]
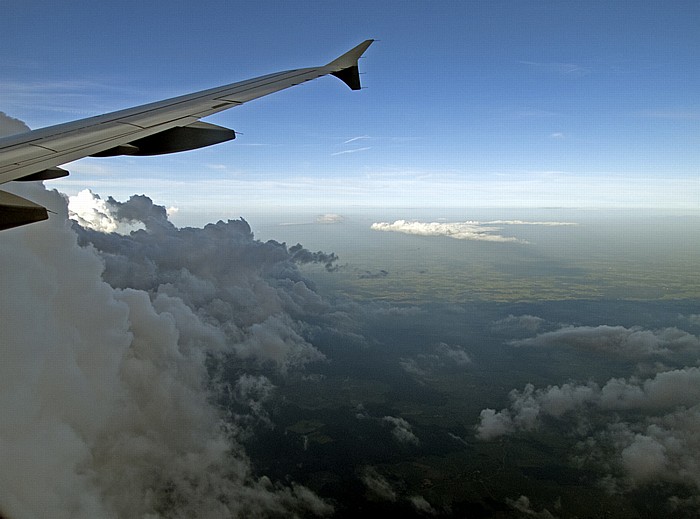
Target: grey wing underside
[[163, 127]]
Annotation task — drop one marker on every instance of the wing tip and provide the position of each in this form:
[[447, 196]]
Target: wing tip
[[345, 67]]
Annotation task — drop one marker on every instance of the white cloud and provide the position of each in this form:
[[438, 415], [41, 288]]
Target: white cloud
[[468, 230], [659, 442], [456, 230], [330, 218], [401, 430]]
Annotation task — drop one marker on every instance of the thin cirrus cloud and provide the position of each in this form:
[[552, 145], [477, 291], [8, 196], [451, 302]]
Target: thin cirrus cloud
[[355, 150], [358, 138], [556, 67]]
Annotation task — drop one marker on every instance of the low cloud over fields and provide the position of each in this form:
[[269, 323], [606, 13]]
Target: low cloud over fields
[[469, 230], [637, 429]]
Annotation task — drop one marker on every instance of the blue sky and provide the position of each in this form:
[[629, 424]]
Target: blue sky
[[468, 104]]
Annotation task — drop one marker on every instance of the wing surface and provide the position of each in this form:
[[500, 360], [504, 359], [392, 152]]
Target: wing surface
[[165, 126]]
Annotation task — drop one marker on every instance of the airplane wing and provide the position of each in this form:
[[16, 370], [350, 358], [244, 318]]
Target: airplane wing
[[163, 127]]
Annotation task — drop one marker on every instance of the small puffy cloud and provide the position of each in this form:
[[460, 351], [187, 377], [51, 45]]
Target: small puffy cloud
[[556, 135], [378, 485], [401, 430], [330, 218], [439, 357], [422, 506]]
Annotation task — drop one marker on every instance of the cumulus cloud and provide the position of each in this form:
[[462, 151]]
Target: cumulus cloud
[[91, 212], [634, 343], [658, 443], [118, 350], [666, 390], [401, 430]]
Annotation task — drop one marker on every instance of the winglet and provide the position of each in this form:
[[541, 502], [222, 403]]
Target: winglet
[[345, 67]]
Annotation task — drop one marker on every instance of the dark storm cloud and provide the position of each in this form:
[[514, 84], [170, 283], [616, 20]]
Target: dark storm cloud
[[302, 256]]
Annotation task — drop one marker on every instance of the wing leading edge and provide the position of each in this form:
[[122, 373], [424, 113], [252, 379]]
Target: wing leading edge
[[162, 127]]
